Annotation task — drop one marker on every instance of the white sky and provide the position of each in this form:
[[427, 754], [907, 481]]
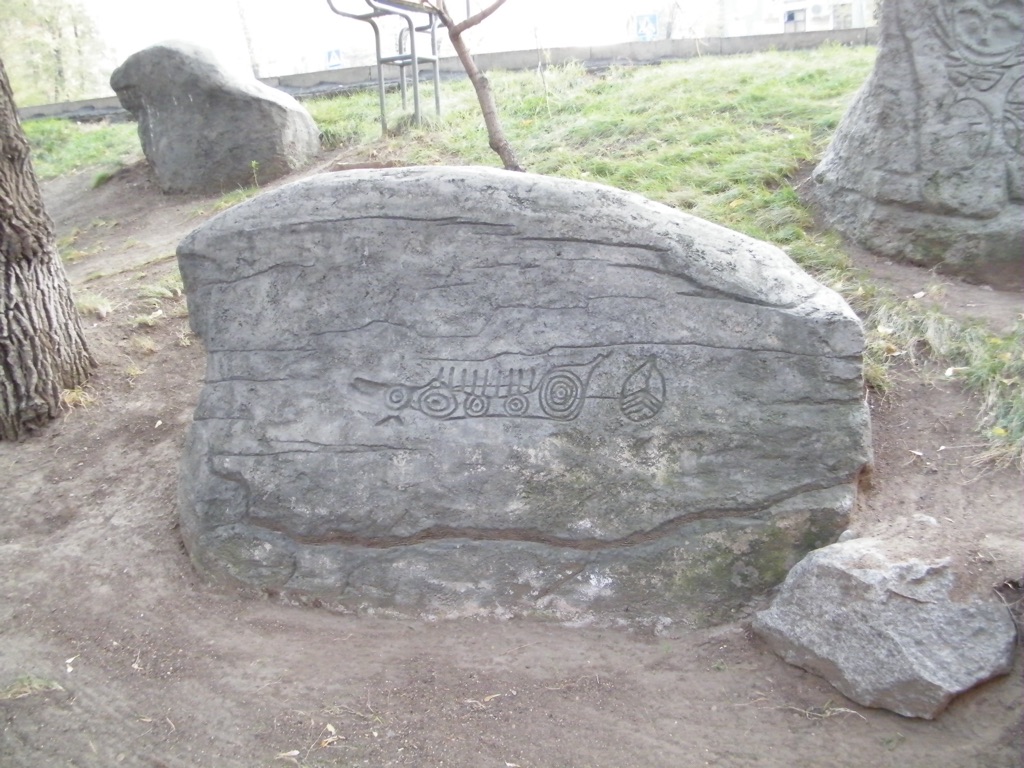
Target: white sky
[[295, 37]]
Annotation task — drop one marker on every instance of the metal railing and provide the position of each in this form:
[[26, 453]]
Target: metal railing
[[417, 18]]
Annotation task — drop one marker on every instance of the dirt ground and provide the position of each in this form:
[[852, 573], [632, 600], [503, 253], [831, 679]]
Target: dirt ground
[[126, 658]]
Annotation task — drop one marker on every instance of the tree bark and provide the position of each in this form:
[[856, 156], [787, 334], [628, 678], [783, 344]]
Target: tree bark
[[42, 348], [495, 132]]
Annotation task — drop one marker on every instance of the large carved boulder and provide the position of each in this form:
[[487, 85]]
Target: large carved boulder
[[927, 165], [204, 129], [453, 391]]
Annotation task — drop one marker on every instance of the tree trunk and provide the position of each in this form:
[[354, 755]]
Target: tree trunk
[[42, 348], [495, 133]]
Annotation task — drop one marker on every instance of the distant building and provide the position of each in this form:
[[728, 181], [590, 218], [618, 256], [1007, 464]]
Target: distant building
[[738, 18], [330, 41]]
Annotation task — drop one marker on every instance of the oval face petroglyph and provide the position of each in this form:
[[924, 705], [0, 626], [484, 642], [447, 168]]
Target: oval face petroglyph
[[986, 31]]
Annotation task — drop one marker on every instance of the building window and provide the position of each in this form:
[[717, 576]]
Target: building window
[[842, 16], [796, 21]]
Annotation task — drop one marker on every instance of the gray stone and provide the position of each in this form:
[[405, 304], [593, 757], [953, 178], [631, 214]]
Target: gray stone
[[204, 129], [927, 164], [450, 391], [886, 629]]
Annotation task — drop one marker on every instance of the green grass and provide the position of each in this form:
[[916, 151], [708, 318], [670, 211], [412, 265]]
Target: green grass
[[60, 147], [720, 137], [345, 122], [988, 364]]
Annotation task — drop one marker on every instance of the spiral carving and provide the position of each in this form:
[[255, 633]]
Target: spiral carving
[[561, 395]]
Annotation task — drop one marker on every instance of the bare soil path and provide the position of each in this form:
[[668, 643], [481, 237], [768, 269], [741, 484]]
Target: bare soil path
[[127, 659]]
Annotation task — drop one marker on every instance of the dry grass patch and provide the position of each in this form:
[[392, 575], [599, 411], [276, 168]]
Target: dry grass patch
[[28, 685]]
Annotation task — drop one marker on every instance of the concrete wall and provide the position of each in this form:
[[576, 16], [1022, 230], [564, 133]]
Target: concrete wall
[[334, 80]]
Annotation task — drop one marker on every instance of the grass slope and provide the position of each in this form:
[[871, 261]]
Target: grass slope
[[60, 147]]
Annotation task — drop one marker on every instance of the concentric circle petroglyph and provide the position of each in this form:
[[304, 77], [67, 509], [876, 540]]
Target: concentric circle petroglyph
[[437, 401], [562, 394]]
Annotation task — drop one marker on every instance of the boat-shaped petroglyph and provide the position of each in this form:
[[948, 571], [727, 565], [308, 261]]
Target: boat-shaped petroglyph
[[456, 392], [557, 394]]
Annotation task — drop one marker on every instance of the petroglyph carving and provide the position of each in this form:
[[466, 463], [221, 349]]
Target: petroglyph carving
[[983, 42], [972, 115], [1013, 116], [463, 392], [643, 392], [561, 394], [984, 32]]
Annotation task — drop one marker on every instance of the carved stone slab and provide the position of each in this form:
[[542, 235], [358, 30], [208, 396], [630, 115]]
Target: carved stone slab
[[450, 391], [928, 163]]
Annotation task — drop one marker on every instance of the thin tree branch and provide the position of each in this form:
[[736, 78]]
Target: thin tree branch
[[495, 133], [441, 9], [476, 18]]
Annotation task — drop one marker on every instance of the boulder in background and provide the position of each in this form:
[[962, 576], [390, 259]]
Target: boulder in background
[[205, 130]]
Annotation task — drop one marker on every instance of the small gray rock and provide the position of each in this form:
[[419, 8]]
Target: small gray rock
[[206, 130], [885, 629]]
